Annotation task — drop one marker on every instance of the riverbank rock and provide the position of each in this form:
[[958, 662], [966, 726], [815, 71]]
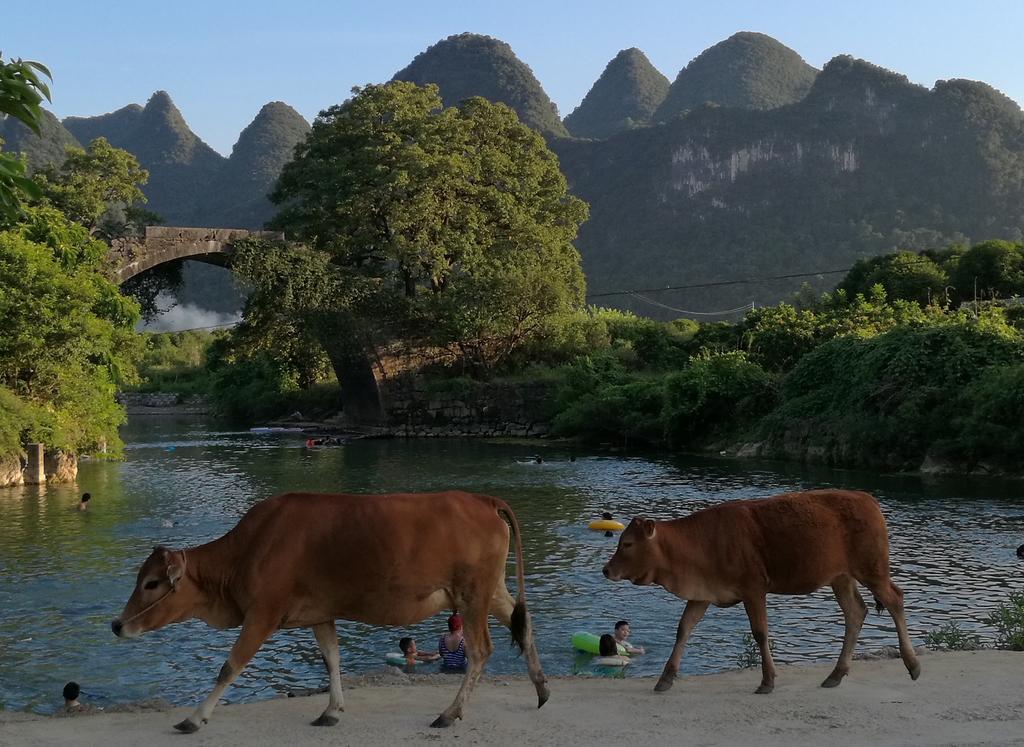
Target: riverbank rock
[[10, 471], [60, 466]]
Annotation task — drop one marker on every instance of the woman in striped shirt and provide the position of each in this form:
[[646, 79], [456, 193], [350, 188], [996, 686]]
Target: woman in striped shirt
[[452, 645]]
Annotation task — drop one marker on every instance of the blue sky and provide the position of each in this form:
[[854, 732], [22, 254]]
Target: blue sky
[[221, 61]]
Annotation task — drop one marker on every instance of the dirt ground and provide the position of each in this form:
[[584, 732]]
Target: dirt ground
[[964, 698]]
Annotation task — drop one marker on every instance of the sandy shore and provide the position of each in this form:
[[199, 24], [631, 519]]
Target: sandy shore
[[968, 698]]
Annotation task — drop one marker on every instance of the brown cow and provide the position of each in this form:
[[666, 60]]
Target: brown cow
[[739, 551], [306, 559]]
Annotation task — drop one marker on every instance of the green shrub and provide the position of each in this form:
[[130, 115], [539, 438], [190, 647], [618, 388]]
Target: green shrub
[[951, 637], [1008, 620], [713, 395]]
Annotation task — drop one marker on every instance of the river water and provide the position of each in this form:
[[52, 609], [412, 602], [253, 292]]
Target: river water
[[65, 574]]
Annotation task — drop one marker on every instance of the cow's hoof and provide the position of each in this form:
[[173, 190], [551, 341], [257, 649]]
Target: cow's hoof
[[764, 689], [442, 722], [915, 671], [664, 685], [326, 720], [187, 726], [542, 698], [833, 680]]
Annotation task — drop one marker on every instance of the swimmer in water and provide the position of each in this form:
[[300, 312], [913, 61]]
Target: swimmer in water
[[83, 505]]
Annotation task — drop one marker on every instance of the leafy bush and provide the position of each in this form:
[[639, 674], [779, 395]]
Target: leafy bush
[[890, 397], [951, 637], [176, 361], [1008, 620], [715, 394]]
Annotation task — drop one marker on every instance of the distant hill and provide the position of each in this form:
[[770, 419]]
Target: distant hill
[[238, 198], [45, 149], [117, 127], [626, 95], [467, 65], [747, 70], [181, 166], [792, 171], [865, 163]]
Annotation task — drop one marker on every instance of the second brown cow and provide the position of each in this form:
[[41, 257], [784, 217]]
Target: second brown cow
[[740, 551]]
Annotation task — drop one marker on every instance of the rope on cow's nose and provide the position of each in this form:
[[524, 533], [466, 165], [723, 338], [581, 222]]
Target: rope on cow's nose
[[174, 588]]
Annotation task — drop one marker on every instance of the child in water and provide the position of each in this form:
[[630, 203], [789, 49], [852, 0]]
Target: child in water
[[408, 648]]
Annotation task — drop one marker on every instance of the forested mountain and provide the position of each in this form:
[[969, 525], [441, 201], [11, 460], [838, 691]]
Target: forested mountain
[[866, 163], [238, 198], [468, 65], [181, 166], [45, 149], [747, 70], [778, 176], [625, 96]]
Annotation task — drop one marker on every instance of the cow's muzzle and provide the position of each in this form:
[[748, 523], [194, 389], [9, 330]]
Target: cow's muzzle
[[116, 626], [608, 573]]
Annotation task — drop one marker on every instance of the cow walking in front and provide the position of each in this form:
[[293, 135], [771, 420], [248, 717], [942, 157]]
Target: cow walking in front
[[740, 551], [307, 559]]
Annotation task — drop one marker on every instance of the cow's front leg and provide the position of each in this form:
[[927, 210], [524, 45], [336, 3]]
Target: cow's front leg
[[327, 638], [254, 633], [757, 611], [692, 615]]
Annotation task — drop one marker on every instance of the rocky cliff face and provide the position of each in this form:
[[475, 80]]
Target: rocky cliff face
[[867, 162]]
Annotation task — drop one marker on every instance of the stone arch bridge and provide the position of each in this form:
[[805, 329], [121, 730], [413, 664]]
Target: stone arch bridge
[[350, 358], [163, 244]]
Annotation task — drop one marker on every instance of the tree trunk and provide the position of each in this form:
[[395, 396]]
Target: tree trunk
[[345, 347]]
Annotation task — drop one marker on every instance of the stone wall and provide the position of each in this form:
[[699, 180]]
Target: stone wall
[[148, 399], [464, 408]]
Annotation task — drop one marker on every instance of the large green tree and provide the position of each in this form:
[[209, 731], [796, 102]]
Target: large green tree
[[96, 188], [67, 337], [447, 226]]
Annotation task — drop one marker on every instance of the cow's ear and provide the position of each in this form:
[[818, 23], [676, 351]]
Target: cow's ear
[[175, 569], [647, 525]]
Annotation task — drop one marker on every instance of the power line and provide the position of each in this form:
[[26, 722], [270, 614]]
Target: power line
[[718, 284], [744, 307]]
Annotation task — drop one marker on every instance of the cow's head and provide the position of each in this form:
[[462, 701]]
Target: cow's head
[[638, 555], [163, 594]]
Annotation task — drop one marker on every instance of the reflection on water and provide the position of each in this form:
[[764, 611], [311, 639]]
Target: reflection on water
[[65, 574]]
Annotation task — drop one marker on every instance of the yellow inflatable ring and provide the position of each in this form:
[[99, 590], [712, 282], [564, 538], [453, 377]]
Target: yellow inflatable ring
[[606, 525]]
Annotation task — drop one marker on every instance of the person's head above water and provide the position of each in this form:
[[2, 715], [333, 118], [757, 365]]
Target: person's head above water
[[454, 622], [606, 645], [607, 516], [407, 645], [71, 692], [86, 497], [622, 630]]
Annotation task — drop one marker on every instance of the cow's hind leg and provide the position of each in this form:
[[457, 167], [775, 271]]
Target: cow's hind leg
[[757, 611], [478, 650], [502, 606], [327, 638], [891, 597], [254, 632], [692, 615], [854, 612]]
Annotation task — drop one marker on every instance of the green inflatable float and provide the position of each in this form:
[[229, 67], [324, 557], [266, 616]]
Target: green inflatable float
[[591, 644]]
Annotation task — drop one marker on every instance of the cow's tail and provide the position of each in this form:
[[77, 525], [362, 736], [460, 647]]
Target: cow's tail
[[520, 624]]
